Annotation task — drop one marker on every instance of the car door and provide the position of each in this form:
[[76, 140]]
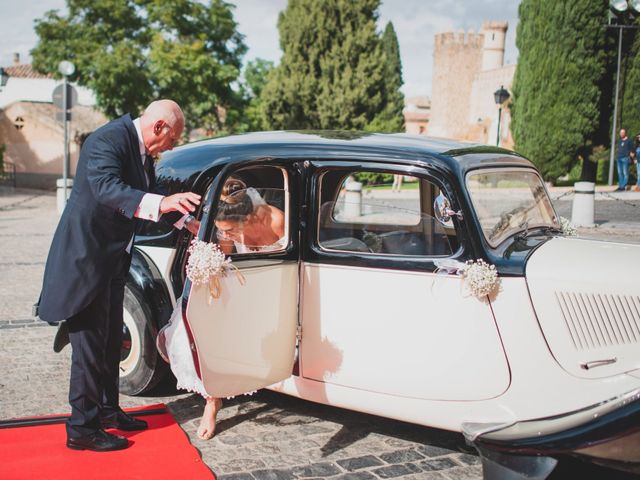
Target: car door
[[376, 313], [246, 339]]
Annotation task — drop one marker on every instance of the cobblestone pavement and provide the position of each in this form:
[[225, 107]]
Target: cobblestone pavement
[[265, 436]]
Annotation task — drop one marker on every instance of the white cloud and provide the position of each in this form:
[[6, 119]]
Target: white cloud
[[258, 21], [17, 34]]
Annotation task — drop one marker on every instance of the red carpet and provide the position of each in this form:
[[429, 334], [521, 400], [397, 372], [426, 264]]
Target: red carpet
[[161, 452]]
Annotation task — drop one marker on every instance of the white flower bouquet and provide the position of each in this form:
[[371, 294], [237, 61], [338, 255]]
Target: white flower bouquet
[[480, 277], [207, 264], [567, 227]]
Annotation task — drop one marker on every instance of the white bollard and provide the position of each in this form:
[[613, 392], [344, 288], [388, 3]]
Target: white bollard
[[60, 193], [583, 210], [353, 200]]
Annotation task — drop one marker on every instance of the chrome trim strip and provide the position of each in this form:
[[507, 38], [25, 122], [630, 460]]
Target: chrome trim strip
[[558, 423]]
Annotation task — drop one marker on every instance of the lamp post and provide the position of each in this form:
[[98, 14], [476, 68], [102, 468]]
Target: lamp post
[[624, 11], [66, 68], [501, 95]]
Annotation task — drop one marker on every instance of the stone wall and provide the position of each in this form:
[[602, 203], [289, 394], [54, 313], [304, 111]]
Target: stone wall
[[483, 106], [34, 140]]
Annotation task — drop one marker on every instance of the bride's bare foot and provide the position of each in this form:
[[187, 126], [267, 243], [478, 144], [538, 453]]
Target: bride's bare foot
[[208, 421]]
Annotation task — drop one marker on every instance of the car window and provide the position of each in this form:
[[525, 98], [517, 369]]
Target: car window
[[369, 213], [252, 212], [509, 201]]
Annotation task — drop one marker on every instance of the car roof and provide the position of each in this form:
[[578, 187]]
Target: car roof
[[443, 154]]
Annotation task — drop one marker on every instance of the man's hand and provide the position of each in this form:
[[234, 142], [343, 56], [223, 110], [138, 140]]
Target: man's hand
[[182, 202], [193, 226]]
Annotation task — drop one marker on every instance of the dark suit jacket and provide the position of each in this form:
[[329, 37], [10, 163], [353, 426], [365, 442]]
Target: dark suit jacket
[[97, 223]]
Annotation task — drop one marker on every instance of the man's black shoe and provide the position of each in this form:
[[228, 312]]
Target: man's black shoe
[[100, 441], [122, 421], [62, 337]]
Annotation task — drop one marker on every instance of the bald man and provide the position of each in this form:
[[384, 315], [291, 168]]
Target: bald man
[[89, 259]]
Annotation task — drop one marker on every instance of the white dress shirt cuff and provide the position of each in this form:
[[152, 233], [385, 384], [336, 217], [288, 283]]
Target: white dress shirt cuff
[[149, 208]]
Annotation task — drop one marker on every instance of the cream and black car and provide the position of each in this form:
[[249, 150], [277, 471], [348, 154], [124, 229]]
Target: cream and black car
[[364, 307]]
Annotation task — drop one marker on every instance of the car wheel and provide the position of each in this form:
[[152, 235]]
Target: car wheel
[[141, 367]]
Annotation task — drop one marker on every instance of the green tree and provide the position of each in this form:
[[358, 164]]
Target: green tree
[[131, 51], [560, 93], [331, 75], [629, 113], [391, 118], [256, 75]]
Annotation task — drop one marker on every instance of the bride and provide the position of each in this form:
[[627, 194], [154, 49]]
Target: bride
[[246, 223]]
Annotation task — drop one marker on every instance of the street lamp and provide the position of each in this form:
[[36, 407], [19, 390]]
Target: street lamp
[[66, 68], [501, 95], [623, 10]]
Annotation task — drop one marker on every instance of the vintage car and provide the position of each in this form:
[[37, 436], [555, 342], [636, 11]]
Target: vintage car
[[364, 305]]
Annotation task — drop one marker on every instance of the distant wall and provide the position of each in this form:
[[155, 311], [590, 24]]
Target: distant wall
[[483, 107], [34, 141]]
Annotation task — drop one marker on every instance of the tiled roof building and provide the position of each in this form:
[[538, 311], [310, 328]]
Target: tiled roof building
[[24, 70], [30, 129]]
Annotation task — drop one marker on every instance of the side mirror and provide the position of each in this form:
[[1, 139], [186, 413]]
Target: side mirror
[[444, 212]]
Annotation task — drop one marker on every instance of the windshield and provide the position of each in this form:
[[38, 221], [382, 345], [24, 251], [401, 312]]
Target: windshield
[[509, 201]]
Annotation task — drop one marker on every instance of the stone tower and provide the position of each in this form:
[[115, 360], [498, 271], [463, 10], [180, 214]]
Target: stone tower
[[456, 60], [466, 72], [494, 40]]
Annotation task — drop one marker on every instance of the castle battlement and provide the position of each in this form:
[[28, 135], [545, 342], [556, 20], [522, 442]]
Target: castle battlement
[[467, 69], [495, 25], [470, 39]]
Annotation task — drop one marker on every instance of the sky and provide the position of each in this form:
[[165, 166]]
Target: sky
[[415, 21]]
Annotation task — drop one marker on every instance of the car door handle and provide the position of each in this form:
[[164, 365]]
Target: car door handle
[[598, 363]]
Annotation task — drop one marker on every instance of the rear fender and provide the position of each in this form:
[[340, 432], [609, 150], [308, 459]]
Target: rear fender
[[146, 282]]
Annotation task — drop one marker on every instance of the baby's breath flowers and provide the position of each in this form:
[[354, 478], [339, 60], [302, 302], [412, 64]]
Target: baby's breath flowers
[[479, 277], [567, 227], [207, 263]]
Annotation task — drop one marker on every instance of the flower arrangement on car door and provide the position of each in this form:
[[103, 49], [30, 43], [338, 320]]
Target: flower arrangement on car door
[[207, 264], [480, 277]]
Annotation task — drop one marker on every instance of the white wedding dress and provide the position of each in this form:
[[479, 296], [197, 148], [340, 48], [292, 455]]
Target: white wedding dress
[[173, 345]]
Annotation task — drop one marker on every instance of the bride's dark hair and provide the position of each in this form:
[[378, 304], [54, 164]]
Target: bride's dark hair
[[234, 204], [232, 185]]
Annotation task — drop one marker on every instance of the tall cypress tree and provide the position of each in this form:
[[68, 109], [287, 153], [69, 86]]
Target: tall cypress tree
[[332, 71], [629, 106], [391, 118], [560, 94]]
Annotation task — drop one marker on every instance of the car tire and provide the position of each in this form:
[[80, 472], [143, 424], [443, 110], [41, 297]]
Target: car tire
[[141, 367]]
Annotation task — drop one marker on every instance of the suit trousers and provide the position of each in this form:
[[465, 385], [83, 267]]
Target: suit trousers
[[95, 334]]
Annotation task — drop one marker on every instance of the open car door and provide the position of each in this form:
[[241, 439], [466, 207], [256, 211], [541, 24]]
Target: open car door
[[246, 339]]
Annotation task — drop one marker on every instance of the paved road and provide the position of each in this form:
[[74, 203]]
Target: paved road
[[265, 436]]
